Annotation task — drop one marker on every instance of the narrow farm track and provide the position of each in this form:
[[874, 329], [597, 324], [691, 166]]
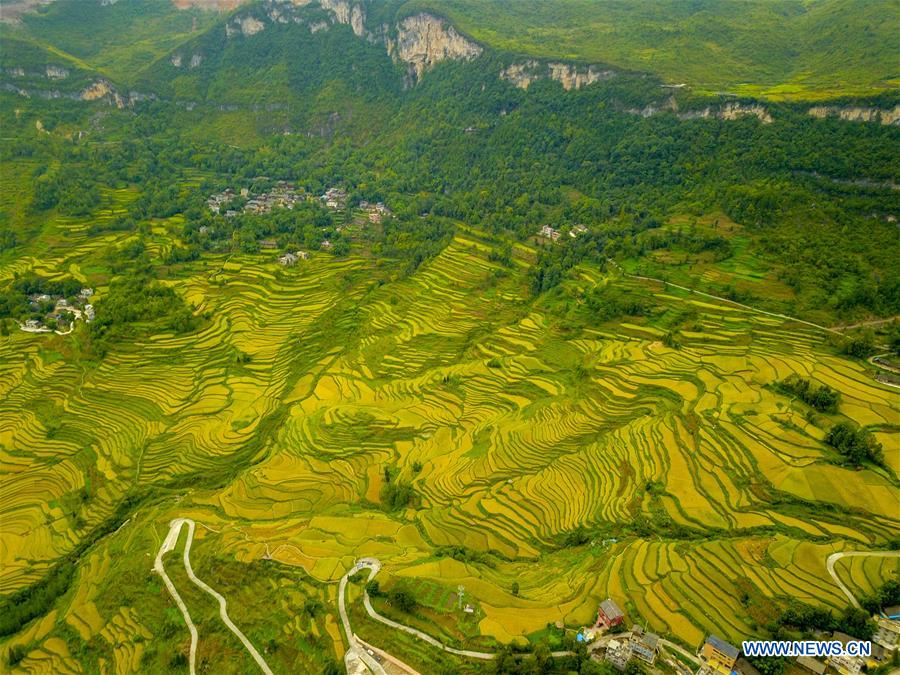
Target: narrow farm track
[[834, 557], [730, 302], [374, 566], [169, 544], [864, 324]]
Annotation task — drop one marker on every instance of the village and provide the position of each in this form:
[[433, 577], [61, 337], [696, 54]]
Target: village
[[718, 657], [285, 195], [56, 313]]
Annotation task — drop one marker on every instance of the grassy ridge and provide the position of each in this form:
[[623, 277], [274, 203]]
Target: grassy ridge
[[789, 50], [118, 39]]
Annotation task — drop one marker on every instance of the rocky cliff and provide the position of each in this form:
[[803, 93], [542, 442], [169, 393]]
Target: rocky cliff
[[571, 76], [424, 40], [858, 114], [420, 41]]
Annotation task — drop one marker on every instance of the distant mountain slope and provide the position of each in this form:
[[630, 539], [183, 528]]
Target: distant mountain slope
[[118, 39], [790, 50], [797, 49]]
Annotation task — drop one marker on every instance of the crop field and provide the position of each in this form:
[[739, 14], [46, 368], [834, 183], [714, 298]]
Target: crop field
[[698, 493]]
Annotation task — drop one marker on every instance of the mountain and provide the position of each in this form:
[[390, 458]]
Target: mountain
[[793, 50], [369, 321]]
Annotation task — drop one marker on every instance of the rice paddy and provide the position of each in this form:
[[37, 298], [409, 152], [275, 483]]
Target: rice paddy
[[517, 422]]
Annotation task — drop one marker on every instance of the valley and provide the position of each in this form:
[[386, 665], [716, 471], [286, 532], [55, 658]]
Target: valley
[[412, 340]]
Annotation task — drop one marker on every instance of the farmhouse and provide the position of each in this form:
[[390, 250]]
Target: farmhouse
[[578, 229], [845, 664], [302, 255], [268, 243], [327, 245], [718, 657], [32, 323], [549, 233], [376, 212], [609, 614], [335, 198], [89, 312], [887, 634], [618, 653], [643, 645], [85, 293], [288, 260]]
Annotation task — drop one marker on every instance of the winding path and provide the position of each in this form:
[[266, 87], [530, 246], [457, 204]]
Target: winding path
[[834, 557], [168, 545], [721, 299], [374, 566]]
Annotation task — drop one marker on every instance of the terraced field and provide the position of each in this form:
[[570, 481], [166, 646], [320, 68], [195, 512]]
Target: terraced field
[[698, 492]]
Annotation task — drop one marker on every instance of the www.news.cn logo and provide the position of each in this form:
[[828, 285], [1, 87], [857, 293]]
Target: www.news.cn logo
[[807, 648]]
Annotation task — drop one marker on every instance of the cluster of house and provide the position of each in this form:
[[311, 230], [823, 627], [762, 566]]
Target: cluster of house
[[290, 259], [283, 196], [62, 309], [376, 212], [335, 198], [885, 643], [551, 233], [717, 657]]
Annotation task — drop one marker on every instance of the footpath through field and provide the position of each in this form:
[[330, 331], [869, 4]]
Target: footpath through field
[[373, 565], [168, 545]]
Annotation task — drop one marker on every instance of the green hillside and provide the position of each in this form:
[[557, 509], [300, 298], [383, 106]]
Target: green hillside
[[277, 296], [118, 39], [797, 49]]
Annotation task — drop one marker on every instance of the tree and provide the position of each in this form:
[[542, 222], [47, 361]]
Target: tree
[[856, 445], [402, 600], [515, 588], [858, 623]]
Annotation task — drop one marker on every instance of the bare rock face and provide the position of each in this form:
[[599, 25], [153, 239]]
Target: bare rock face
[[96, 90], [424, 40], [569, 75], [734, 110], [344, 12], [251, 26], [576, 77], [858, 114], [730, 111], [196, 60], [521, 74]]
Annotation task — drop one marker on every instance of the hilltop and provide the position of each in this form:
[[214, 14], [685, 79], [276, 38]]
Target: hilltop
[[301, 292], [789, 51]]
